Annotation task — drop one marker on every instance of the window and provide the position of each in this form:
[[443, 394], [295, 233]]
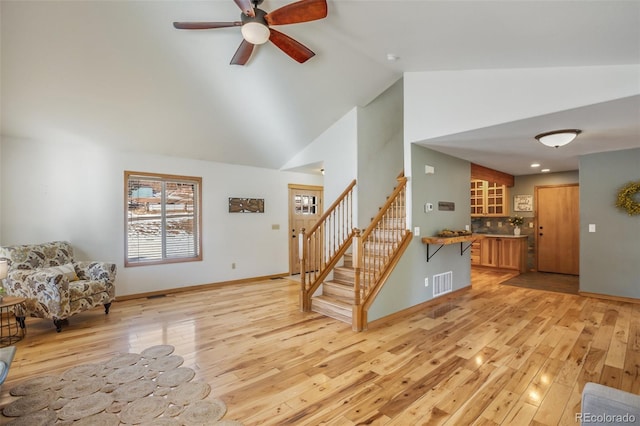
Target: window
[[306, 204], [162, 218]]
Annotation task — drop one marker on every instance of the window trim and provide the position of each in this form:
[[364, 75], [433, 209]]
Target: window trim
[[197, 212]]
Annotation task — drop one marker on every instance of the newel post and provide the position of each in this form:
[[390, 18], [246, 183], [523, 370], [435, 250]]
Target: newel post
[[302, 254], [356, 315]]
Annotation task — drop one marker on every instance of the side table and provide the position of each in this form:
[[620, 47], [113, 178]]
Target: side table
[[11, 329]]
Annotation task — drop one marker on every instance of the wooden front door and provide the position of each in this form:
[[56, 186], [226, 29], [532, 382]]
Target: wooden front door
[[558, 228], [305, 208]]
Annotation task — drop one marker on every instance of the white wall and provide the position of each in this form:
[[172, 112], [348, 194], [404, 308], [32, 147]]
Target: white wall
[[336, 150], [380, 160], [74, 191], [448, 102]]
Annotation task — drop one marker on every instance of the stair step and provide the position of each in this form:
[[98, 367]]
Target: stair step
[[343, 274], [332, 307], [380, 247], [339, 290], [348, 260], [387, 235], [397, 220]]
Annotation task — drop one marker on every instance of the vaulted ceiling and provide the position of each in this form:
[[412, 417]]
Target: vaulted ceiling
[[116, 73]]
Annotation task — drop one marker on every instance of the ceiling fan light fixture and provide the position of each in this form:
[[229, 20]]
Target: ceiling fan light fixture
[[558, 138], [255, 32]]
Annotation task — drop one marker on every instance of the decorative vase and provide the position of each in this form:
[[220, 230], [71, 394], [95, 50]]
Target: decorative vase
[[516, 230]]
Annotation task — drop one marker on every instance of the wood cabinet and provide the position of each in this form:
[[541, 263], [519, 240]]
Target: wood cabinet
[[475, 253], [489, 252], [497, 252], [512, 254], [488, 198]]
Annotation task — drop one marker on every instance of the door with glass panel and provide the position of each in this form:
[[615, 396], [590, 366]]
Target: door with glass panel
[[305, 209]]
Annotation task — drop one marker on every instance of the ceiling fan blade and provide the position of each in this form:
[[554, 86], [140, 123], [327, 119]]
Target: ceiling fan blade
[[300, 11], [243, 53], [246, 7], [205, 25], [295, 49]]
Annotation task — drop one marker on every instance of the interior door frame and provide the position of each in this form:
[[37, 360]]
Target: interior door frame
[[291, 187]]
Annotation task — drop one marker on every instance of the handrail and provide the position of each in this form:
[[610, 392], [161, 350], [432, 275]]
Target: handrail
[[324, 245], [383, 210], [377, 250], [333, 206]]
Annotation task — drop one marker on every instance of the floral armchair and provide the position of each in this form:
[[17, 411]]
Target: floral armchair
[[54, 284]]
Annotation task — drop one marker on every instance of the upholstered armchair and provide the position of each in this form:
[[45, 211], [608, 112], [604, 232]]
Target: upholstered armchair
[[55, 285]]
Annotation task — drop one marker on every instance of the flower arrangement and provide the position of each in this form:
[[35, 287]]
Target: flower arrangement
[[516, 220]]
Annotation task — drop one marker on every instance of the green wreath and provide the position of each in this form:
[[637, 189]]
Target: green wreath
[[627, 200]]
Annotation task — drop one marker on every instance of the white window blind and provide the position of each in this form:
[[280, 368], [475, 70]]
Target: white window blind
[[163, 218]]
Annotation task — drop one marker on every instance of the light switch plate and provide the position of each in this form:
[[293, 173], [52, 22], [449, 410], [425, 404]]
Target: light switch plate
[[592, 227]]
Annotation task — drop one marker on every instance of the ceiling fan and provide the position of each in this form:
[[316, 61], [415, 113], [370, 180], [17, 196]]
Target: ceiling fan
[[256, 27]]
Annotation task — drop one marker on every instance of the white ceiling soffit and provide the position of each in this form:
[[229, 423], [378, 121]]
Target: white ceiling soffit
[[512, 147]]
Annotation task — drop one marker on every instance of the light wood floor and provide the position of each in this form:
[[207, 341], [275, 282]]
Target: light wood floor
[[490, 355]]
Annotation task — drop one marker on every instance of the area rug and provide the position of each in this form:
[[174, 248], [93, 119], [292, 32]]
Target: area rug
[[559, 283], [149, 388]]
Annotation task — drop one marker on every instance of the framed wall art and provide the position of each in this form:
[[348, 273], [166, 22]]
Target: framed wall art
[[246, 205], [523, 203]]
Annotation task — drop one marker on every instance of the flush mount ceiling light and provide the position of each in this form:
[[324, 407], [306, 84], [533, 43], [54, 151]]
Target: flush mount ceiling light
[[558, 138]]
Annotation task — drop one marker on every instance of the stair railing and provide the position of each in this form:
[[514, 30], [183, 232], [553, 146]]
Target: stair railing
[[324, 245], [377, 250]]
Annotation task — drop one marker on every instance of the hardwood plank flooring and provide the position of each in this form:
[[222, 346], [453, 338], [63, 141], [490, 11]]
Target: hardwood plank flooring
[[561, 283], [489, 355]]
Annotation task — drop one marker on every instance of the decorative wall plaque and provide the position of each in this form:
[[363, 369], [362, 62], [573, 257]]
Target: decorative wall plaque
[[446, 206], [523, 203], [246, 205]]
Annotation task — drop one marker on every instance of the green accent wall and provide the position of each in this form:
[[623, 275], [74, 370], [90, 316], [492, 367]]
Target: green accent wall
[[609, 257], [450, 183]]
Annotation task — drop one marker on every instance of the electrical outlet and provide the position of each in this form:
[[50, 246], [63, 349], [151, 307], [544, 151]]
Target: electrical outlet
[[499, 224], [416, 231], [426, 282], [488, 224], [530, 224]]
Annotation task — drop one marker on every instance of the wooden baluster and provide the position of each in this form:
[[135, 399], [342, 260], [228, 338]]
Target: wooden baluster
[[302, 253]]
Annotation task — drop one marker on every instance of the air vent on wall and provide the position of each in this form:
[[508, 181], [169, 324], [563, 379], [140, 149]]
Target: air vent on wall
[[442, 283]]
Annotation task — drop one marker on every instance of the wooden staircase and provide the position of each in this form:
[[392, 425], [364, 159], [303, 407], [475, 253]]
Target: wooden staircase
[[361, 260], [337, 296]]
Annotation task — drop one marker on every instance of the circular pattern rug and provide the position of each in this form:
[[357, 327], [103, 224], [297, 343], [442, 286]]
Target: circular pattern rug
[[149, 388]]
